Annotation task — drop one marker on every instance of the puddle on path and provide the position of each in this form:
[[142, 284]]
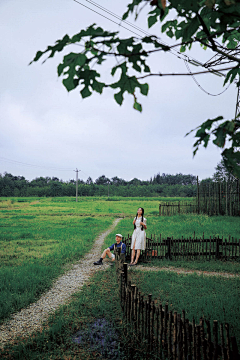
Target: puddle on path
[[100, 336]]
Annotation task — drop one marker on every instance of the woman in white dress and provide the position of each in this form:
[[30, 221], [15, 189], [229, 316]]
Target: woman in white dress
[[139, 236]]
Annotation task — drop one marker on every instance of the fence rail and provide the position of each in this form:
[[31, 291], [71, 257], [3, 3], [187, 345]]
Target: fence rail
[[169, 334], [188, 249]]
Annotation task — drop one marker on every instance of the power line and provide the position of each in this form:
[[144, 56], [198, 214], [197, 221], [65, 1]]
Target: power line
[[174, 52], [104, 16], [200, 87], [31, 165]]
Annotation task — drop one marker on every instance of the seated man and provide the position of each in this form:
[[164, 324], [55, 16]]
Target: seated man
[[119, 244]]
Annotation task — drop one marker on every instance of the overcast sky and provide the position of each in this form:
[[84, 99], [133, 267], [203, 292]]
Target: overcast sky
[[56, 132]]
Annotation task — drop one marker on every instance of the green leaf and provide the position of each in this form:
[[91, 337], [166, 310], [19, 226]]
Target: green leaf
[[85, 92], [125, 15], [144, 89], [119, 98], [137, 106], [183, 48], [152, 20], [98, 86], [231, 75]]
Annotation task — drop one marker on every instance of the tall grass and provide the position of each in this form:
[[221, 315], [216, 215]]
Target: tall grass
[[35, 246]]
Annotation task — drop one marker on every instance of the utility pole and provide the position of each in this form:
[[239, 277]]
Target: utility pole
[[76, 183]]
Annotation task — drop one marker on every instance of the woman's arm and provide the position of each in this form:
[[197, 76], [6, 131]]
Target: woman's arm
[[143, 223]]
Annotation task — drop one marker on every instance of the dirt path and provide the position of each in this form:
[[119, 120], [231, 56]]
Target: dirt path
[[31, 318], [185, 271]]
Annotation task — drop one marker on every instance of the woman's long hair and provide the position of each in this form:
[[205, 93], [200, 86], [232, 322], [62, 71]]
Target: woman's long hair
[[142, 218]]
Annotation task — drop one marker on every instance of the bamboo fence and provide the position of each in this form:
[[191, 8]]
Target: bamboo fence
[[177, 208], [191, 248], [215, 198], [219, 198], [170, 335]]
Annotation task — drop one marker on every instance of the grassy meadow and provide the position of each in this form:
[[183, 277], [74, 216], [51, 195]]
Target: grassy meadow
[[41, 237], [99, 299]]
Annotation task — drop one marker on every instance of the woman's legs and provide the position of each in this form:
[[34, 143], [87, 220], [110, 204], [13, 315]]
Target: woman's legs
[[133, 253], [132, 256], [137, 257]]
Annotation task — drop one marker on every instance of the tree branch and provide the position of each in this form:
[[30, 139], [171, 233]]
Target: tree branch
[[185, 74]]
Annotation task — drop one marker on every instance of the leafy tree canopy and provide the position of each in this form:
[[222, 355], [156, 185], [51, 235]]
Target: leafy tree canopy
[[222, 173], [214, 24]]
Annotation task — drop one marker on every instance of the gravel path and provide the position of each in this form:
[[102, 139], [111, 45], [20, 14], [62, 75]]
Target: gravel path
[[30, 319], [184, 271]]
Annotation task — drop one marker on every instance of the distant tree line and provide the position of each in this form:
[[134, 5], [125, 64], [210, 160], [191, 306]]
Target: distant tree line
[[158, 185]]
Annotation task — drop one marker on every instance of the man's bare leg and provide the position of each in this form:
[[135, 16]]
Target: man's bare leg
[[108, 253], [105, 253]]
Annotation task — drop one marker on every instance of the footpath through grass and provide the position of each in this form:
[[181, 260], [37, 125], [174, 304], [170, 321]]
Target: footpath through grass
[[40, 236], [36, 241], [99, 301]]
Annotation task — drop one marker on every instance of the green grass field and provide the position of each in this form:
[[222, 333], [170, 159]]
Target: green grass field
[[40, 238], [99, 299], [37, 240]]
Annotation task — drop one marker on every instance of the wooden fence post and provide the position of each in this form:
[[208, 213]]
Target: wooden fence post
[[215, 339], [203, 342], [193, 340], [169, 248], [198, 353], [222, 343], [170, 335], [179, 337], [227, 341], [165, 326], [209, 343], [235, 348], [149, 321], [175, 335]]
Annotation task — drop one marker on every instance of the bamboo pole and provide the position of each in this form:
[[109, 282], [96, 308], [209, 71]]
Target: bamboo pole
[[157, 330], [209, 344], [179, 337], [161, 326], [227, 341], [222, 343], [170, 335], [184, 337], [198, 343], [203, 342], [152, 335], [165, 326], [193, 340], [175, 335], [188, 339]]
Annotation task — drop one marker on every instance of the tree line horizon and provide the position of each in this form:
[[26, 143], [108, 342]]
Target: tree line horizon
[[166, 185]]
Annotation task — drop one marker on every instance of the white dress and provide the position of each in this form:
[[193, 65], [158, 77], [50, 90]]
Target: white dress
[[139, 235]]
